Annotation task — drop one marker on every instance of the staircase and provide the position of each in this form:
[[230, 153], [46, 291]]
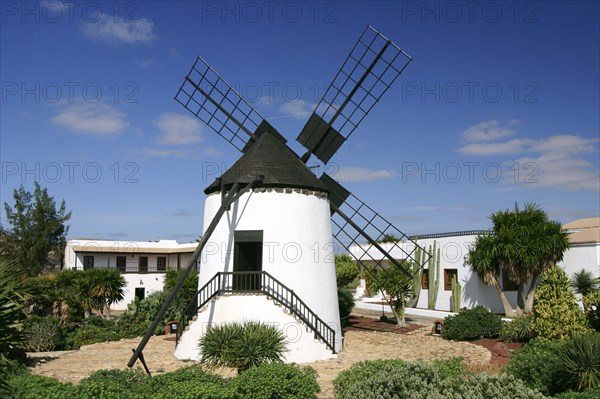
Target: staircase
[[262, 283]]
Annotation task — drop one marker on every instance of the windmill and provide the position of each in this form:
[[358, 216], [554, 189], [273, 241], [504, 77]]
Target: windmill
[[266, 247]]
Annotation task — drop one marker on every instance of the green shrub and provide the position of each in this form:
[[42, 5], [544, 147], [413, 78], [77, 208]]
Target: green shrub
[[591, 304], [190, 382], [346, 270], [398, 379], [89, 334], [42, 334], [451, 368], [536, 363], [471, 324], [556, 314], [29, 386], [589, 394], [346, 304], [578, 366], [242, 345], [517, 330], [277, 380]]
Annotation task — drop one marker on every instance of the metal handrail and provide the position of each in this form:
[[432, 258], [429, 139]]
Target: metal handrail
[[257, 282]]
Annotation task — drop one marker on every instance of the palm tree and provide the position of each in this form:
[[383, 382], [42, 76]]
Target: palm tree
[[583, 282], [105, 287], [522, 244]]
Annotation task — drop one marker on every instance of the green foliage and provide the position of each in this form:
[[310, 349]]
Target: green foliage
[[186, 293], [591, 304], [536, 364], [345, 304], [346, 270], [556, 314], [579, 362], [242, 345], [433, 275], [140, 315], [417, 271], [277, 380], [389, 237], [43, 334], [89, 334], [517, 330], [396, 284], [588, 394], [583, 282], [11, 315], [38, 231], [522, 244], [472, 324], [398, 379], [188, 383], [100, 288], [451, 368]]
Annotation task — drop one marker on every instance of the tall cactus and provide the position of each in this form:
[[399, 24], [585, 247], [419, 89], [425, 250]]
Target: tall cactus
[[456, 293], [417, 273], [433, 275]]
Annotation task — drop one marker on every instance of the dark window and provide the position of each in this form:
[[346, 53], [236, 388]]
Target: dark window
[[507, 284], [161, 263], [143, 264], [88, 262], [140, 293], [425, 279], [448, 274], [121, 261]]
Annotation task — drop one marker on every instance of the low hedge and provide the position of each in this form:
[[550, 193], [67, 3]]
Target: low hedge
[[472, 324]]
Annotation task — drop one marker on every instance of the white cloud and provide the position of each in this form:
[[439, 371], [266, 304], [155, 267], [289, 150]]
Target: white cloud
[[91, 118], [178, 129], [354, 174], [298, 109], [120, 31], [489, 131], [509, 147]]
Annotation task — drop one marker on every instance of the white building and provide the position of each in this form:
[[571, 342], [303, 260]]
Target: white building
[[583, 254], [142, 263]]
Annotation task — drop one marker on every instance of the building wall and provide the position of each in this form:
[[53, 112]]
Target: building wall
[[150, 282], [453, 253], [297, 244]]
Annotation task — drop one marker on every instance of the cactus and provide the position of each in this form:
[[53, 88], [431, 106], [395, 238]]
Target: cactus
[[434, 275], [456, 294], [417, 273]]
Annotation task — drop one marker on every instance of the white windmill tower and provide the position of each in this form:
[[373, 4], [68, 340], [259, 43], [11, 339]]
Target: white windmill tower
[[266, 252]]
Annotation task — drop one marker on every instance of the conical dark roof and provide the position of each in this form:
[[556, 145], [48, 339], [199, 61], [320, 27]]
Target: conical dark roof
[[273, 159]]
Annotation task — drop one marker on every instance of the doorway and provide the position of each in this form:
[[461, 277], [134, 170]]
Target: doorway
[[247, 257], [140, 293]]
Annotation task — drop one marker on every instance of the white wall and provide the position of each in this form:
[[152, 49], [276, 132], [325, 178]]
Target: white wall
[[298, 248]]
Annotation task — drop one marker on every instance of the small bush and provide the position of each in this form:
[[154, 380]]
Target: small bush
[[188, 381], [589, 394], [451, 368], [42, 334], [517, 330], [578, 365], [346, 270], [536, 363], [556, 314], [277, 380], [242, 346], [472, 324], [29, 386], [591, 304], [89, 334], [398, 379], [346, 304]]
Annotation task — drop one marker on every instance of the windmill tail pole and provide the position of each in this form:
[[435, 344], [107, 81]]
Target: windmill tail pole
[[233, 194]]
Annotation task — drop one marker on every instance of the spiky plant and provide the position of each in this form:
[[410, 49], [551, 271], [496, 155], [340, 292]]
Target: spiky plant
[[583, 282]]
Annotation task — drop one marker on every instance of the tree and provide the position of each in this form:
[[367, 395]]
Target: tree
[[38, 231], [556, 314], [346, 270], [396, 284], [521, 245], [583, 282]]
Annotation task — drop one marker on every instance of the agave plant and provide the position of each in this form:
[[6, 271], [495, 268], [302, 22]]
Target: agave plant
[[242, 345], [579, 362]]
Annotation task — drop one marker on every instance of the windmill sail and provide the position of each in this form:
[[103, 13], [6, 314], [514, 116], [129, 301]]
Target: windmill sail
[[369, 70], [212, 100], [354, 222]]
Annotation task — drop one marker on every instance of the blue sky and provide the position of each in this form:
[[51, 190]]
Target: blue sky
[[501, 104]]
